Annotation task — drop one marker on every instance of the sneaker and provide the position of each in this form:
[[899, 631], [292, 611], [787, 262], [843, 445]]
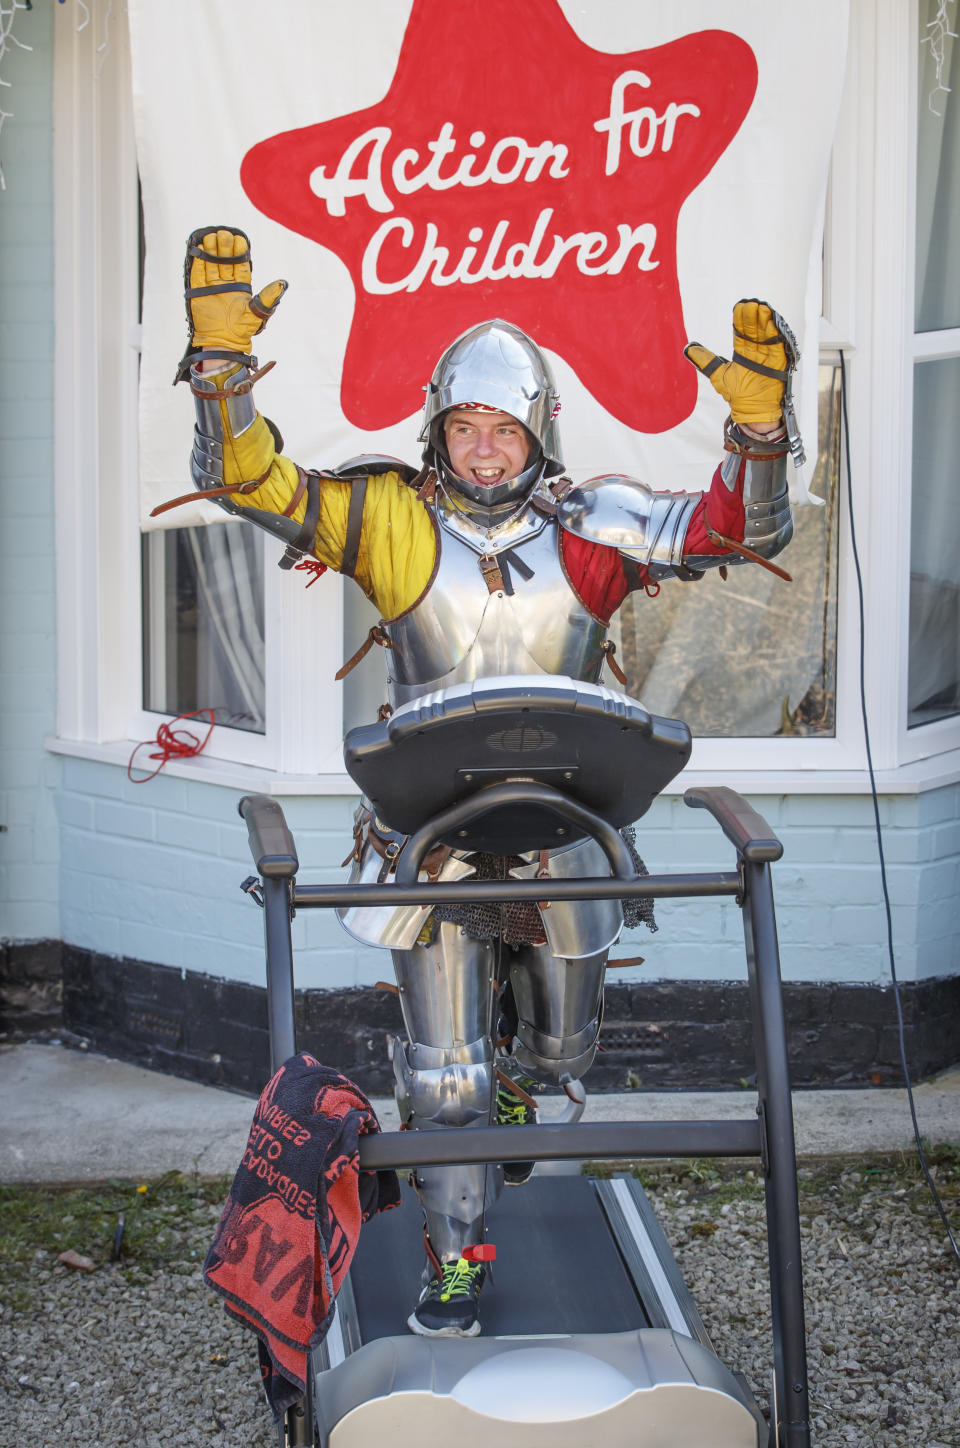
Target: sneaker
[[514, 1110], [449, 1304]]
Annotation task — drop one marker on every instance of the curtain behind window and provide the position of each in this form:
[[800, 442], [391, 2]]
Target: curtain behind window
[[203, 624]]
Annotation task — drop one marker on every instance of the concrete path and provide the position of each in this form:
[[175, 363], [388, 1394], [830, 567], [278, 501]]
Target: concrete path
[[73, 1116]]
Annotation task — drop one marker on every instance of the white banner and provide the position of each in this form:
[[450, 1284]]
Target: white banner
[[611, 178]]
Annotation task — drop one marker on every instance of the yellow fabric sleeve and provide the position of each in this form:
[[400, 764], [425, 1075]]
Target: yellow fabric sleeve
[[397, 540]]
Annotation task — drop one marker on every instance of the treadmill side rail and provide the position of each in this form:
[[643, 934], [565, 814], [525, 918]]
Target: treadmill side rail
[[666, 1298]]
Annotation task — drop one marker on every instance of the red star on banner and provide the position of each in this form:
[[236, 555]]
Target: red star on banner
[[512, 171]]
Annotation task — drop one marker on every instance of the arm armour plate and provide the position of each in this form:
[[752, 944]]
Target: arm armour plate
[[206, 460], [628, 515], [767, 515], [766, 502], [651, 527]]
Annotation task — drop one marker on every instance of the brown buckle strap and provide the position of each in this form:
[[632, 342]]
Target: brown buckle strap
[[427, 491], [249, 487], [492, 575], [377, 635], [235, 390], [304, 540], [360, 820], [755, 449], [516, 1088], [294, 502], [351, 543], [608, 648], [389, 854], [720, 541], [434, 861]]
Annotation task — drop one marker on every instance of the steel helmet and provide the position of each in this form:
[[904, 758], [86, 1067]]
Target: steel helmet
[[498, 367]]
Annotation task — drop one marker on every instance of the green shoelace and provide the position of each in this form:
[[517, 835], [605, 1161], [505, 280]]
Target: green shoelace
[[460, 1279], [512, 1110]]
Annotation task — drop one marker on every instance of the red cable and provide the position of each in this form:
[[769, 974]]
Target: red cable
[[173, 744]]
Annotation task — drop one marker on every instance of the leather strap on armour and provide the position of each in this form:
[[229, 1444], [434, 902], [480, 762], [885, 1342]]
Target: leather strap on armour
[[351, 546], [303, 542]]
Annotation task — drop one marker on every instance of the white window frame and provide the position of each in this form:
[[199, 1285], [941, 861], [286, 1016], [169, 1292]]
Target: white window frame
[[868, 306], [924, 740], [97, 524]]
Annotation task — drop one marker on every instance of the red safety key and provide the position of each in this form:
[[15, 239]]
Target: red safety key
[[485, 1252]]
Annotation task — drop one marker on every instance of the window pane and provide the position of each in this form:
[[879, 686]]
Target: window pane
[[365, 687], [938, 174], [753, 656], [934, 673], [203, 623]]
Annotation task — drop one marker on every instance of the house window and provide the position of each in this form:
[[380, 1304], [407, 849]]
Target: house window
[[203, 624], [934, 658], [751, 656]]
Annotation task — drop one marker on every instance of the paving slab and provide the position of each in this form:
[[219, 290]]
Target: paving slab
[[75, 1116]]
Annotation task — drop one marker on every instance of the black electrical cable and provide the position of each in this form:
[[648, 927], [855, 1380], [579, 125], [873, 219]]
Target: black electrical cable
[[876, 817]]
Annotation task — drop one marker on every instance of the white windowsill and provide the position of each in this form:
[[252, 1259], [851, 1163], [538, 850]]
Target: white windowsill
[[915, 778]]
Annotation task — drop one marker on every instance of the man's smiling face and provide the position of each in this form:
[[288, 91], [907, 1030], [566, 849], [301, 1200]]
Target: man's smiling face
[[485, 448]]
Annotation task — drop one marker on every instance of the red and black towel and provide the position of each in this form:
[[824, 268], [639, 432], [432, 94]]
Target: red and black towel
[[290, 1226]]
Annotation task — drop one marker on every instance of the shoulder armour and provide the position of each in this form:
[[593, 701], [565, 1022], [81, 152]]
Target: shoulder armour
[[369, 465], [623, 513]]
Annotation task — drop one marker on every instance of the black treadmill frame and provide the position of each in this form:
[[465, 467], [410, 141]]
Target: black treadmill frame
[[769, 1136]]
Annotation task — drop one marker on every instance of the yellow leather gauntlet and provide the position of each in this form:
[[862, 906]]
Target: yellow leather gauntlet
[[755, 381], [223, 315]]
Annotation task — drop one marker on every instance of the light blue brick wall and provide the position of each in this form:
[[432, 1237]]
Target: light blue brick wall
[[830, 912], [153, 871], [29, 845]]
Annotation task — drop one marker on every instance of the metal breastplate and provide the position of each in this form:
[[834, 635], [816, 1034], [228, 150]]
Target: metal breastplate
[[459, 630]]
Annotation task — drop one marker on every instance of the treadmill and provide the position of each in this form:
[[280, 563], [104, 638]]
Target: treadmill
[[590, 1333]]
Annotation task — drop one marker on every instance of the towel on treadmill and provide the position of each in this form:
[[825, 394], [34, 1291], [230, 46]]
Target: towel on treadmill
[[291, 1222]]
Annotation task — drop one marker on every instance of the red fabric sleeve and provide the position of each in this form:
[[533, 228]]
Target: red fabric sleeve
[[722, 511], [596, 573]]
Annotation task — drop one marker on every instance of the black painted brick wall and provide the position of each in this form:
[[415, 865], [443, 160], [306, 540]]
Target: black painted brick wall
[[659, 1034], [31, 981]]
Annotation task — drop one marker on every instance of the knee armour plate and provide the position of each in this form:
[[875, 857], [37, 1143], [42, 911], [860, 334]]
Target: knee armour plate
[[551, 1058], [444, 1085], [564, 999]]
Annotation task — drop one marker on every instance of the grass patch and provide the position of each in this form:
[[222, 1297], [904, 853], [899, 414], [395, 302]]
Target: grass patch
[[850, 1178], [141, 1226]]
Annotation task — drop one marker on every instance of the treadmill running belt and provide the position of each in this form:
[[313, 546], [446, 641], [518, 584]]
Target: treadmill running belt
[[557, 1269]]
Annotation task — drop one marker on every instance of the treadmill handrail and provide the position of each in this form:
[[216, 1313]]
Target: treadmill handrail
[[480, 892], [747, 830], [559, 1141], [271, 843]]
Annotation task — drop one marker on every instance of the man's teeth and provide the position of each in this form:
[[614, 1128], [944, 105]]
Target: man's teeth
[[488, 472]]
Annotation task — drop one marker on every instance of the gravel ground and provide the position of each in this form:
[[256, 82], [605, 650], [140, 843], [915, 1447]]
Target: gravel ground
[[139, 1353]]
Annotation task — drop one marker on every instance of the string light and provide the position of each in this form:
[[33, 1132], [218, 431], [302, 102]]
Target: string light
[[86, 14], [939, 28], [104, 45], [7, 39]]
